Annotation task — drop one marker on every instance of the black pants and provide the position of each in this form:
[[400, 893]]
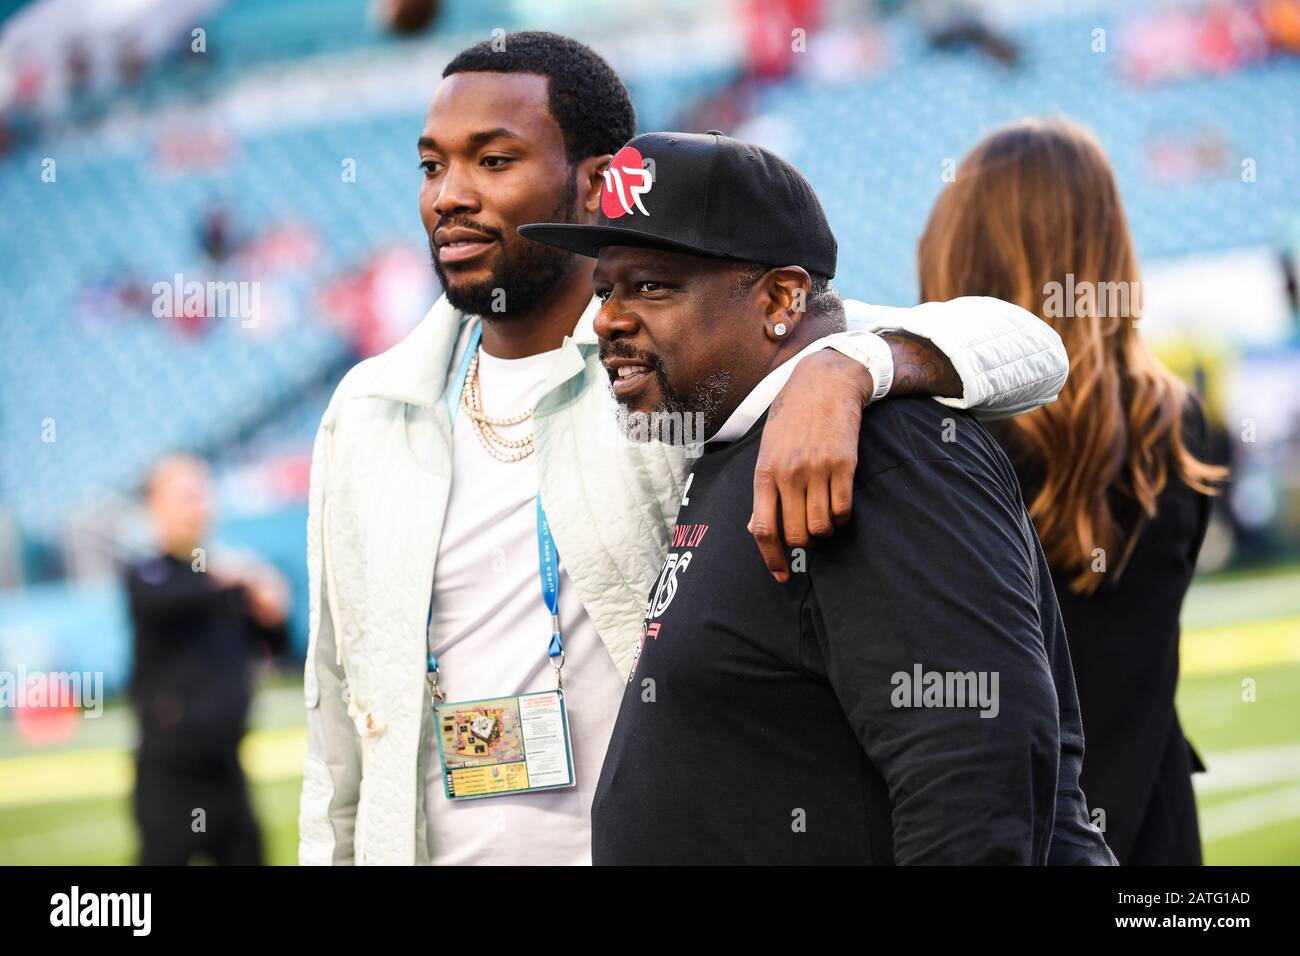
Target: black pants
[[184, 809]]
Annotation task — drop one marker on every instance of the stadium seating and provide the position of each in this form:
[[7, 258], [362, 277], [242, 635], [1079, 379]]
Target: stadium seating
[[122, 390], [878, 189]]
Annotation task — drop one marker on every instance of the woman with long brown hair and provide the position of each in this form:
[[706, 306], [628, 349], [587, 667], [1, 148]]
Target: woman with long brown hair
[[1112, 472]]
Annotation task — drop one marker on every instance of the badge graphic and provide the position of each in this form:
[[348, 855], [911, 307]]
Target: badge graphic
[[626, 181], [482, 727]]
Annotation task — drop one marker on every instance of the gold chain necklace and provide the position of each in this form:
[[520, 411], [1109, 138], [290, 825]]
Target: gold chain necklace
[[495, 444]]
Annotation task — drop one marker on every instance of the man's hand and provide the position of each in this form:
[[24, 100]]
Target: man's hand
[[265, 589], [268, 597], [803, 483]]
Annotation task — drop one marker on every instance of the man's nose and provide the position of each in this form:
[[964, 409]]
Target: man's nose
[[456, 192], [613, 319]]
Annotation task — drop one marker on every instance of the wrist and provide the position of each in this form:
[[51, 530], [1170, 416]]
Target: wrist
[[874, 357], [852, 370]]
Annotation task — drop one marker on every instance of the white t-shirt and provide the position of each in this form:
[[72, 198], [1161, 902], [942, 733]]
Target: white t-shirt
[[490, 634]]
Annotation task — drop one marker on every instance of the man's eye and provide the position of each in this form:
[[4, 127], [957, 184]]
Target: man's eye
[[604, 294], [650, 287], [430, 166], [495, 162]]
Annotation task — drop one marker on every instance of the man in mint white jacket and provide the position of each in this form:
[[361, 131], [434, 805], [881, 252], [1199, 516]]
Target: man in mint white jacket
[[436, 461]]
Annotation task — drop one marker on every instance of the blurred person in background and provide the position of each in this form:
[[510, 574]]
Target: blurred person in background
[[962, 24], [408, 17], [1114, 471], [197, 636]]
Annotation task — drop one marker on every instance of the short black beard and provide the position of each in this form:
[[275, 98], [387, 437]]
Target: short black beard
[[525, 276]]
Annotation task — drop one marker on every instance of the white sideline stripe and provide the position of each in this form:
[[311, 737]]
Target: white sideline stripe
[[1250, 813], [1242, 769]]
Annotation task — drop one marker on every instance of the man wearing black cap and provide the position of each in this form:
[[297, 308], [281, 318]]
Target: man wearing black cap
[[906, 697]]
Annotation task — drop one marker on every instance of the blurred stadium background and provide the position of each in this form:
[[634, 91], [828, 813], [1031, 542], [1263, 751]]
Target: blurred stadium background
[[273, 141]]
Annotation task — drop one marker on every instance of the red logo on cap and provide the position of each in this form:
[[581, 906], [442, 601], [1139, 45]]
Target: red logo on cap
[[626, 181]]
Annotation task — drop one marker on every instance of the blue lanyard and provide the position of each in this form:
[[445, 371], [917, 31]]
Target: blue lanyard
[[548, 562], [548, 559], [457, 388]]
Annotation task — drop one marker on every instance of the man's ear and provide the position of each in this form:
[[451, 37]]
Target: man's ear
[[591, 178], [786, 293]]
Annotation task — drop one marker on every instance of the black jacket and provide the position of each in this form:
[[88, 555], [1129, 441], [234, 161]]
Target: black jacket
[[194, 649]]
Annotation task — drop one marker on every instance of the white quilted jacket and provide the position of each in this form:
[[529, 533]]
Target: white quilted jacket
[[380, 478]]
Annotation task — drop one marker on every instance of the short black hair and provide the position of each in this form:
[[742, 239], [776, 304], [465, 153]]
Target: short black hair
[[584, 94]]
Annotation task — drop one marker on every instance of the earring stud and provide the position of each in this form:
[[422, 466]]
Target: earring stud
[[779, 329]]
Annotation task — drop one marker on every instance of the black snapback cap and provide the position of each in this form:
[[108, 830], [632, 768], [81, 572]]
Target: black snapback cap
[[706, 194]]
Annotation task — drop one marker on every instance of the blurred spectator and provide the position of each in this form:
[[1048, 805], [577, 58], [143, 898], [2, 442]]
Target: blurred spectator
[[408, 17], [770, 38], [960, 24], [196, 630], [215, 234], [1281, 20], [377, 305]]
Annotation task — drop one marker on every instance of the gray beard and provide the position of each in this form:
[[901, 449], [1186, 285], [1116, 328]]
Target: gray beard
[[679, 419], [704, 399]]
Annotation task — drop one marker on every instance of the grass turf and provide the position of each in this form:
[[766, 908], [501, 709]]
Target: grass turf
[[1239, 701]]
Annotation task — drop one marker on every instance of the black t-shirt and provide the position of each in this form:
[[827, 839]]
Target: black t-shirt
[[770, 723]]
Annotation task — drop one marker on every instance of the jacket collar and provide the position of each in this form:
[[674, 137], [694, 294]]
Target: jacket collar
[[415, 370], [577, 347]]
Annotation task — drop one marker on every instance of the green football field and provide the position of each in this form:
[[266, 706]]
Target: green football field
[[1239, 701]]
